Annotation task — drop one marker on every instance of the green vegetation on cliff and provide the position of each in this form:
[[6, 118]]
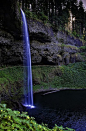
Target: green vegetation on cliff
[[11, 79], [49, 77], [44, 77]]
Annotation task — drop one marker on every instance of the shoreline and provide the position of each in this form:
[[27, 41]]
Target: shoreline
[[48, 91]]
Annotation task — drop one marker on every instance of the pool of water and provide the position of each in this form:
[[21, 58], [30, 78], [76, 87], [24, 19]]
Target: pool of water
[[66, 108]]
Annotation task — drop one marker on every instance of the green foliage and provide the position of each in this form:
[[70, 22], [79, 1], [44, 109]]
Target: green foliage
[[31, 15], [44, 77], [68, 46], [43, 17], [71, 76], [75, 34], [16, 121], [11, 80], [13, 73], [74, 75], [39, 16], [83, 48], [57, 13], [62, 19], [83, 54]]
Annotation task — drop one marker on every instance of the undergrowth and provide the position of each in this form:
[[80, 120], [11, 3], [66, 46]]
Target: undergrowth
[[39, 17], [70, 76], [11, 79], [16, 121], [44, 77]]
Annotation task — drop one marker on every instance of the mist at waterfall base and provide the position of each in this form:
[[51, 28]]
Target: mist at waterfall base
[[28, 87], [66, 108]]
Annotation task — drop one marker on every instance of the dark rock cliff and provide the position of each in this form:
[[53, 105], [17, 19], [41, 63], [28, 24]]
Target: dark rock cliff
[[47, 46]]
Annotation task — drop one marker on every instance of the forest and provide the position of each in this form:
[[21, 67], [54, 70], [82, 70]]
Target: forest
[[57, 13]]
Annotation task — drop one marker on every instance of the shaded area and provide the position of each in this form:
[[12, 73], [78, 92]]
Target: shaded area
[[8, 17], [67, 108]]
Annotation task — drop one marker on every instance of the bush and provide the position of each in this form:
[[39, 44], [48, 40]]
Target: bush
[[83, 48], [71, 76], [11, 81], [39, 16], [31, 15], [16, 121], [75, 34], [43, 17]]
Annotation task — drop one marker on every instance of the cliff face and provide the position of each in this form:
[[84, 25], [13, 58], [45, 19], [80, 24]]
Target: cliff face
[[10, 49], [47, 46]]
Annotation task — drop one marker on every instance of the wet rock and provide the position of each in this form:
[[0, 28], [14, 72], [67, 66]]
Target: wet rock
[[38, 31], [46, 46], [67, 39], [11, 51], [44, 41]]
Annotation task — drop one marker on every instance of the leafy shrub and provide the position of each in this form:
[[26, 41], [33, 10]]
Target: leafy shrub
[[11, 79], [83, 48], [16, 121], [40, 16], [44, 77], [75, 34], [43, 17], [71, 76], [30, 14]]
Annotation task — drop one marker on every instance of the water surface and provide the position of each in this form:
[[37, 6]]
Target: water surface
[[66, 107]]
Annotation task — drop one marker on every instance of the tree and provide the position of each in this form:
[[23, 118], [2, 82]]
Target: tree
[[81, 16]]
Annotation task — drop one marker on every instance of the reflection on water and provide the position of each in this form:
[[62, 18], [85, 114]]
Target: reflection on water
[[67, 108]]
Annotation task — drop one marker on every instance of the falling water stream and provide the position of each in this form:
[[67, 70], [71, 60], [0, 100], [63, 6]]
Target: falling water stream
[[28, 87]]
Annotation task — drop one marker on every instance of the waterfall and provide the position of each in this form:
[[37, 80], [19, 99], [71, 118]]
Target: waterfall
[[28, 87]]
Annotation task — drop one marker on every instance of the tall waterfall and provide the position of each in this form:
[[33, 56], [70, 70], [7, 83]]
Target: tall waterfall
[[28, 87]]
